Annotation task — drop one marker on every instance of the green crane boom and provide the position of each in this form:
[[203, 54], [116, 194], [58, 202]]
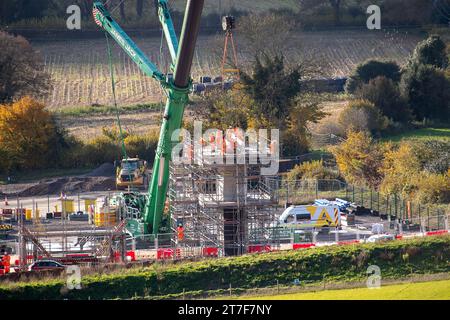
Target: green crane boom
[[177, 88]]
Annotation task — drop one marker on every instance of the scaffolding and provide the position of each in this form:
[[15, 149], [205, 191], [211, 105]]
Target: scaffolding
[[70, 242], [226, 206]]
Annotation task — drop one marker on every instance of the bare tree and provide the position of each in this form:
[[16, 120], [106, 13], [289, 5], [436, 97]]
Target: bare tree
[[21, 69], [139, 7], [265, 34], [336, 5]]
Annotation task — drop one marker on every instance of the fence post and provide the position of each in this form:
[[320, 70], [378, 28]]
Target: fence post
[[317, 189], [362, 196], [446, 222], [422, 226], [336, 234], [395, 204], [371, 204], [378, 200], [439, 220], [420, 217], [353, 193], [287, 193]]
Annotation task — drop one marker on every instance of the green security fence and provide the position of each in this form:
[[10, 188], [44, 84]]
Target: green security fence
[[394, 207]]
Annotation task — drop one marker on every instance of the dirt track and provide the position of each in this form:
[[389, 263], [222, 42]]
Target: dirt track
[[100, 179]]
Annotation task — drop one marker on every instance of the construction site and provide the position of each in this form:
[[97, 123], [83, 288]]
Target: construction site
[[200, 207]]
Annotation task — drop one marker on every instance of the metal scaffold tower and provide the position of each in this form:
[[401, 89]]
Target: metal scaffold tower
[[224, 206]]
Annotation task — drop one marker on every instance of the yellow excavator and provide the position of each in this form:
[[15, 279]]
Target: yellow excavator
[[131, 173]]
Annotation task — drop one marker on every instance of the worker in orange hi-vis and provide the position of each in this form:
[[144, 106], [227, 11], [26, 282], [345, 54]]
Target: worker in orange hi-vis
[[6, 262], [180, 231], [212, 142]]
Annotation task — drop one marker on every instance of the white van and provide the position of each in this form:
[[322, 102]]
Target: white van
[[311, 216]]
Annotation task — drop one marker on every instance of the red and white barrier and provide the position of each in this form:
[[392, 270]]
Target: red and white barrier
[[296, 246]]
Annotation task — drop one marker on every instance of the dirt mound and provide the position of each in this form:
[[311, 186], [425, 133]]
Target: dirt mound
[[105, 170], [58, 185]]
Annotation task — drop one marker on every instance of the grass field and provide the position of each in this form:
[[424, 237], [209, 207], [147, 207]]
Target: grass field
[[434, 290], [422, 134]]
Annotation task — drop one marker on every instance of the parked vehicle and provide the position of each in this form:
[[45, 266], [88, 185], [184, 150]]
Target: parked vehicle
[[311, 216], [46, 265]]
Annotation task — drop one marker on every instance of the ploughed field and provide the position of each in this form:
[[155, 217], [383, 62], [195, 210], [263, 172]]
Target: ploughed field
[[80, 68]]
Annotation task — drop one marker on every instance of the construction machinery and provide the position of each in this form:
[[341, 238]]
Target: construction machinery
[[146, 213], [131, 173]]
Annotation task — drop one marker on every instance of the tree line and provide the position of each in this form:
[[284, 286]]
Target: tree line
[[15, 10], [306, 12]]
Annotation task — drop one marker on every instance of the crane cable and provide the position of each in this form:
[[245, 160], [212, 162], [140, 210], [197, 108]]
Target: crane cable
[[113, 87]]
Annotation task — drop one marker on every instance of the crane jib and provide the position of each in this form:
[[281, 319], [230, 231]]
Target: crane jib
[[177, 89]]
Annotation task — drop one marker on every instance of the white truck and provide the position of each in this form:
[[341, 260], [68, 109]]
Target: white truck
[[310, 216]]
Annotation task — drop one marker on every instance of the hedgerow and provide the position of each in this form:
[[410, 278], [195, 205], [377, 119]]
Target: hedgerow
[[337, 263]]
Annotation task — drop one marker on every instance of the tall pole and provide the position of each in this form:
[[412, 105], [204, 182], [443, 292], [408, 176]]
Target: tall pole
[[178, 97], [188, 41]]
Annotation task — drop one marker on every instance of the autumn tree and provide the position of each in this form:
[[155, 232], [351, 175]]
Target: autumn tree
[[225, 109], [336, 6], [417, 170], [296, 136], [21, 69], [359, 159], [311, 170], [29, 135]]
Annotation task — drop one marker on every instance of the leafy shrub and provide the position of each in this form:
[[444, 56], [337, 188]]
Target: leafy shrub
[[362, 115], [432, 188], [385, 95], [311, 170], [369, 70], [427, 90], [431, 51], [107, 148]]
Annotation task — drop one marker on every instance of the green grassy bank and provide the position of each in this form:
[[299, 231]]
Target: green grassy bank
[[338, 263]]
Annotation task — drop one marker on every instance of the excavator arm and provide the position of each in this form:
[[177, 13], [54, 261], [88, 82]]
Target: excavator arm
[[177, 88]]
